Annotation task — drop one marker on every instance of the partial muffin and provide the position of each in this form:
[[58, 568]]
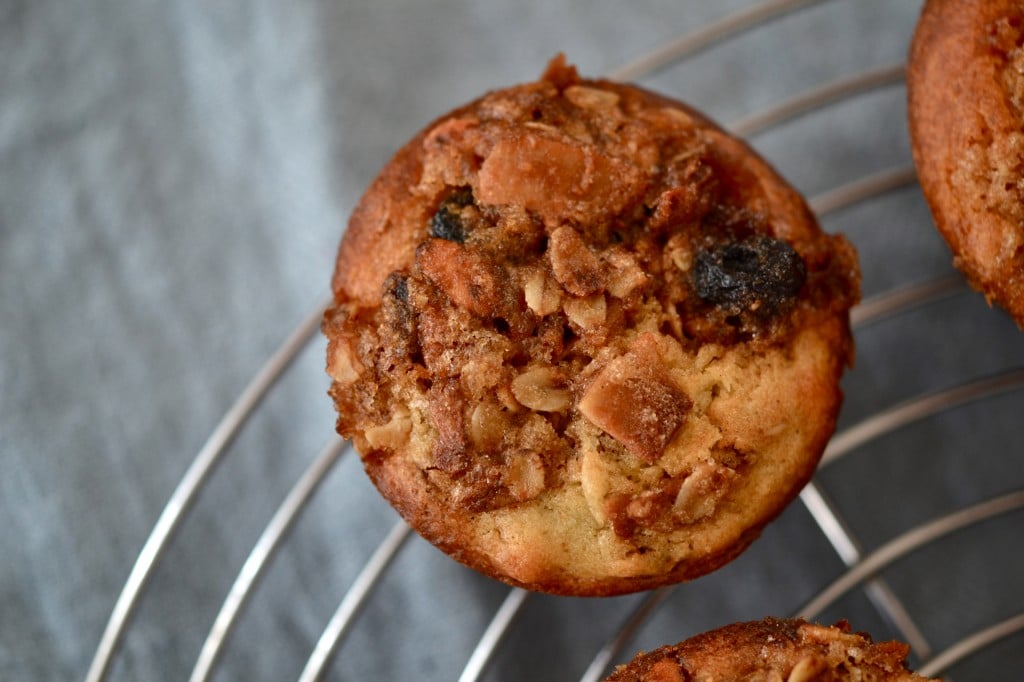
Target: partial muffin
[[773, 651], [965, 84], [584, 341]]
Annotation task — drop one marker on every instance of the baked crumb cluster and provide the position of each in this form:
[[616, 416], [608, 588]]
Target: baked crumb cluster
[[992, 167], [578, 254], [773, 651]]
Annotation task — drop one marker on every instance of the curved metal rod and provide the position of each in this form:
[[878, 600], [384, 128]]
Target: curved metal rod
[[495, 632], [889, 420], [864, 188], [607, 653], [353, 602], [906, 543], [715, 32], [898, 300], [262, 552], [877, 589], [971, 644], [819, 97], [183, 497]]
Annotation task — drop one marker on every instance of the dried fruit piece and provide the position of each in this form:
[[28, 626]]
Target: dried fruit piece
[[470, 280], [447, 222], [635, 402], [557, 179], [759, 273]]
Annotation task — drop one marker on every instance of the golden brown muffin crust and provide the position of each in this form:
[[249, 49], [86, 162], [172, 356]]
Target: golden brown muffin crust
[[773, 651], [966, 93], [584, 341]]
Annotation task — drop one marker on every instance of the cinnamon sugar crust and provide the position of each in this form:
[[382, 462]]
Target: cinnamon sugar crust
[[966, 110], [584, 341], [773, 651]]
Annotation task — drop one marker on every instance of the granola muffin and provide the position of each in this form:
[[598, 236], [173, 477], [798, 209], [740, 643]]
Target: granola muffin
[[773, 651], [965, 85], [584, 341]]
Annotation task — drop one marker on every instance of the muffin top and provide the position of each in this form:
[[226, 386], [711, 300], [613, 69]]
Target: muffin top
[[966, 108], [773, 651], [585, 341]]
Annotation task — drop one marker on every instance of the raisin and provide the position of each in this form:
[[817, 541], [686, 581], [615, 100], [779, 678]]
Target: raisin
[[758, 273], [447, 222], [399, 287]]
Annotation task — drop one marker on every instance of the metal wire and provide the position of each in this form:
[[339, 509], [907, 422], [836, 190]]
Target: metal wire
[[908, 542], [903, 414], [972, 644], [817, 98], [711, 34], [354, 601], [884, 599], [495, 632], [184, 495], [611, 649], [261, 555], [872, 185], [895, 301]]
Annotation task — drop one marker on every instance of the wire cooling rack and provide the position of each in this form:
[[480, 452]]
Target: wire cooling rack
[[945, 582]]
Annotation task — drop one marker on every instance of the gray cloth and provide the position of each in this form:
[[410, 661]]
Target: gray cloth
[[174, 178]]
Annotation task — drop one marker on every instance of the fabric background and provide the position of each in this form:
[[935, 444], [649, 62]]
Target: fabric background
[[174, 179]]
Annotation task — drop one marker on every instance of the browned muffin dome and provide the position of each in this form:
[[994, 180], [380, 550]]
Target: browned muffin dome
[[966, 106], [585, 341], [773, 651]]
